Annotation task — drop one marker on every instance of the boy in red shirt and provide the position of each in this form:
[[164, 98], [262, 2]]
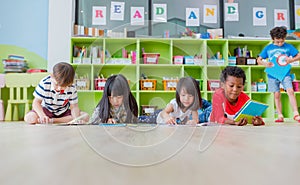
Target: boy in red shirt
[[229, 99]]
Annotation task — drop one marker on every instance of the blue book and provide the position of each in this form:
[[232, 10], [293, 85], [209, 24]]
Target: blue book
[[250, 109], [280, 68], [113, 125]]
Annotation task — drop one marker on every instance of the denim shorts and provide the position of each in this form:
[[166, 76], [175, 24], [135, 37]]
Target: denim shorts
[[273, 84]]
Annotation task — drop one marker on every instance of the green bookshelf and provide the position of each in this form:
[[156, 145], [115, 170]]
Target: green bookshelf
[[167, 48]]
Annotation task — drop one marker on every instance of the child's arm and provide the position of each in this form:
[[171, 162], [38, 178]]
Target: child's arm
[[295, 58], [266, 64], [37, 107], [242, 122], [195, 118], [165, 114], [218, 108], [75, 112]]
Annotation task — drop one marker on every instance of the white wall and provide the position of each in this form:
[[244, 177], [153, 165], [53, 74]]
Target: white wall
[[60, 21]]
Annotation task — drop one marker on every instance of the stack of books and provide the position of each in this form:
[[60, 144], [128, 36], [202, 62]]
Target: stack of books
[[15, 64]]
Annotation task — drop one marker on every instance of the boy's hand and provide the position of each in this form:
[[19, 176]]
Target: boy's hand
[[242, 122], [289, 60], [268, 64], [44, 119], [257, 120]]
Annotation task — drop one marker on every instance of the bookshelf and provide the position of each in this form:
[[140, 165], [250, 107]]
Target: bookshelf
[[207, 69]]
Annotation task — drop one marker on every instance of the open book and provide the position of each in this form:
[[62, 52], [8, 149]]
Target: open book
[[250, 109]]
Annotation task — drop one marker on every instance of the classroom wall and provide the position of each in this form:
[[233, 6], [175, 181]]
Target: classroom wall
[[46, 39], [24, 31], [245, 23], [61, 19]]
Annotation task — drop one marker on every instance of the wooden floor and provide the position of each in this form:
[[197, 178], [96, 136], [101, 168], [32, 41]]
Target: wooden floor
[[218, 155]]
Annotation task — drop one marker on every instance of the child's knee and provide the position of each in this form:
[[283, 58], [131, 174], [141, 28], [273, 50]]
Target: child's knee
[[30, 118]]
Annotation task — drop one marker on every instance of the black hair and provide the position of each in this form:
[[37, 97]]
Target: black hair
[[279, 32], [116, 85], [232, 71], [191, 86]]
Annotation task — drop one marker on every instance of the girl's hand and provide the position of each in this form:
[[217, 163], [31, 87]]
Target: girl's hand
[[191, 122], [257, 120], [170, 120], [111, 121]]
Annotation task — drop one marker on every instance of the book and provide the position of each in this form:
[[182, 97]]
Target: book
[[280, 68], [250, 109]]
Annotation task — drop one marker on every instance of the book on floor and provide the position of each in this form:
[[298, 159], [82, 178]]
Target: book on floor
[[250, 109]]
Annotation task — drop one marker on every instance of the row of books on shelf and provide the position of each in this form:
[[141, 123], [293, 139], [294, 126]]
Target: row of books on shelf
[[15, 64], [96, 54]]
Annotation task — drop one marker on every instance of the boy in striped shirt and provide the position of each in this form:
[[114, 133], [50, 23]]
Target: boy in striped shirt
[[55, 98]]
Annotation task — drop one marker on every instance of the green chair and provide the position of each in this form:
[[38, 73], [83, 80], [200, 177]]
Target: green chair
[[2, 84], [18, 84], [37, 77]]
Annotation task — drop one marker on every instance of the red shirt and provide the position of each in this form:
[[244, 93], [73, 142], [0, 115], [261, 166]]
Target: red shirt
[[222, 109]]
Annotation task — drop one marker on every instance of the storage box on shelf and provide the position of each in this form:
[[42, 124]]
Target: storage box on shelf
[[168, 50], [148, 84], [178, 59], [150, 58], [148, 109], [99, 83], [213, 85], [170, 84], [296, 85], [155, 49], [82, 83]]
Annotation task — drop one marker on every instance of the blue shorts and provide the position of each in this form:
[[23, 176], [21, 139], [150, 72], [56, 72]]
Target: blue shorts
[[273, 84]]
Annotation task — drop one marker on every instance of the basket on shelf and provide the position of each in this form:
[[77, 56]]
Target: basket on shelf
[[100, 83], [212, 85], [150, 58], [148, 84], [170, 85], [82, 83], [148, 109]]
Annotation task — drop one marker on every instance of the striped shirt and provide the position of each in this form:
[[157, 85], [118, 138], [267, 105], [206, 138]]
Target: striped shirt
[[55, 102]]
